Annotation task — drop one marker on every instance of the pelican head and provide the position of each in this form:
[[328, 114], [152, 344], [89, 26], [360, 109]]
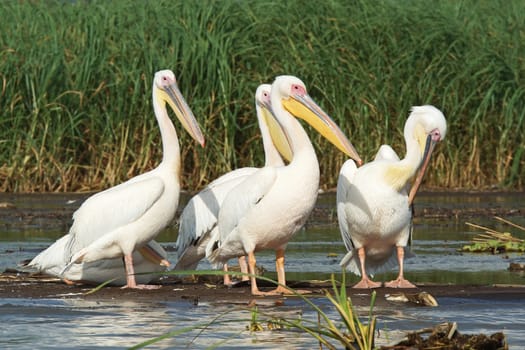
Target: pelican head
[[296, 101], [427, 126], [277, 134], [165, 88]]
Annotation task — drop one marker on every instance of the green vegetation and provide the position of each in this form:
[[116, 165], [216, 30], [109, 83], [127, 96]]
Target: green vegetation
[[75, 84], [348, 330], [353, 334], [495, 242]]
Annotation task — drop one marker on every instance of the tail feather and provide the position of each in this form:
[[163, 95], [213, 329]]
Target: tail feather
[[213, 257], [351, 263], [189, 260], [77, 258]]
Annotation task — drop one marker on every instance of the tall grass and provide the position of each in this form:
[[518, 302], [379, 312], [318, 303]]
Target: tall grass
[[76, 79]]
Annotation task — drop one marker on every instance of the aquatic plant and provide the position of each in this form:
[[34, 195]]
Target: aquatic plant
[[75, 83], [255, 325], [349, 331], [353, 334], [495, 242]]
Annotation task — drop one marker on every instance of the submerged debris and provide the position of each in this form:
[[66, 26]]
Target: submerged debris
[[516, 267], [422, 298], [446, 336]]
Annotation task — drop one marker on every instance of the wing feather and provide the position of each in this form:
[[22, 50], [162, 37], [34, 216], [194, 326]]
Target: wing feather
[[243, 198], [199, 217], [386, 152], [105, 211], [346, 176]]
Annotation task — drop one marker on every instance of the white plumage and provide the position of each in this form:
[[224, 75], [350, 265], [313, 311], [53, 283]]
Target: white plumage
[[122, 219], [271, 205], [373, 206], [148, 261], [198, 221]]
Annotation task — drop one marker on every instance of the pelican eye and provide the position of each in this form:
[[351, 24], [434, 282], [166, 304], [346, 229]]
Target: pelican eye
[[298, 89], [435, 134]]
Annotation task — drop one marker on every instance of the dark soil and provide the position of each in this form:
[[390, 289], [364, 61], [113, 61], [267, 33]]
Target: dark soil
[[14, 284]]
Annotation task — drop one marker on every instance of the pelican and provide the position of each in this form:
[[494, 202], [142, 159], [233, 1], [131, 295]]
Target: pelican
[[271, 205], [150, 258], [124, 218], [198, 221], [373, 204]]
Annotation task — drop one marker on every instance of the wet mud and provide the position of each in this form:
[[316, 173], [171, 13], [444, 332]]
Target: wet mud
[[15, 284]]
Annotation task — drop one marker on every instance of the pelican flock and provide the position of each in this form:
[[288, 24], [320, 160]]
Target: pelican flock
[[268, 207], [198, 220], [250, 209], [373, 203], [123, 220]]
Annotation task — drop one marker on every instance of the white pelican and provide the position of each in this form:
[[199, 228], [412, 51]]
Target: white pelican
[[373, 206], [267, 208], [198, 221], [51, 261], [124, 218]]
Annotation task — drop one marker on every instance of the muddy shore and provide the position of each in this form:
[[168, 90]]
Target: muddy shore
[[21, 285]]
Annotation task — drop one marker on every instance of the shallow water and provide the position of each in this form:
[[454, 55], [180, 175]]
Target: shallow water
[[315, 252]]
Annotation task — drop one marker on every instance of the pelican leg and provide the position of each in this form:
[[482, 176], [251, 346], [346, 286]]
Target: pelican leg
[[279, 266], [226, 278], [69, 282], [130, 276], [253, 280], [365, 282], [244, 267], [400, 282]]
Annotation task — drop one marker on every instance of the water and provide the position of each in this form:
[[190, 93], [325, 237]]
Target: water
[[37, 220]]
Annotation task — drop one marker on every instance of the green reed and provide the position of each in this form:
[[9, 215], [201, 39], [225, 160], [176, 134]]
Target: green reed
[[76, 80]]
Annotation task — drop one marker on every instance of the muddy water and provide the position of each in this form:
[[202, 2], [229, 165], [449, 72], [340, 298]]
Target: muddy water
[[29, 223]]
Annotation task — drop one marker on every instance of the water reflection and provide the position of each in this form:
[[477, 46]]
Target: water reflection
[[81, 324]]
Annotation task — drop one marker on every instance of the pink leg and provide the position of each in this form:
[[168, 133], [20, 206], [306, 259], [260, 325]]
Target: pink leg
[[130, 276], [400, 282], [226, 278], [281, 277], [365, 282], [244, 267], [253, 280]]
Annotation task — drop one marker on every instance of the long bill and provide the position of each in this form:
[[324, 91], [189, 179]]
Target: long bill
[[429, 148], [304, 107], [150, 254], [277, 134], [183, 112]]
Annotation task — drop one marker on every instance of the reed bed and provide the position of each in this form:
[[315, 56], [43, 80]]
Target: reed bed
[[75, 78]]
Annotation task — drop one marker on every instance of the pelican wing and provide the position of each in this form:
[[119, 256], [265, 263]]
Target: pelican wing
[[113, 208], [51, 260], [199, 217], [346, 176], [386, 152], [243, 198]]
